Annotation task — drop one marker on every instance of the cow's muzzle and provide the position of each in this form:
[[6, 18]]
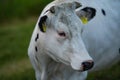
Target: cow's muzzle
[[87, 65]]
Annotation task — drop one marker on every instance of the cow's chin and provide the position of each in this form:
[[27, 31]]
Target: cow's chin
[[58, 59], [76, 66]]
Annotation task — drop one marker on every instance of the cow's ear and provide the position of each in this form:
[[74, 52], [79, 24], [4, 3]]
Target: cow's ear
[[86, 14], [42, 23]]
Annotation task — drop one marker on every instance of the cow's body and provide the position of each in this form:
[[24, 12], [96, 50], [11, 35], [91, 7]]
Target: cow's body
[[102, 34], [101, 37]]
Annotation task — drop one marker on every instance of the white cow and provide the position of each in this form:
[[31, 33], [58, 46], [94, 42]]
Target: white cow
[[73, 35]]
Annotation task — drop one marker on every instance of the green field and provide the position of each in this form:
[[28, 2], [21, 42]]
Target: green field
[[14, 61], [14, 40], [10, 9]]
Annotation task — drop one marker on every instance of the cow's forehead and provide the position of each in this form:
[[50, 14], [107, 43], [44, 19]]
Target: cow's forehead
[[64, 8], [65, 1], [69, 21], [66, 4]]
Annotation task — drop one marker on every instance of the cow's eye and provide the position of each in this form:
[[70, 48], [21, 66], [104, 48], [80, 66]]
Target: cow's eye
[[62, 34]]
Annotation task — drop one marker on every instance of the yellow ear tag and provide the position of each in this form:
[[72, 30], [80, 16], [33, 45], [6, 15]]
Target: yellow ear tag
[[44, 27], [84, 20]]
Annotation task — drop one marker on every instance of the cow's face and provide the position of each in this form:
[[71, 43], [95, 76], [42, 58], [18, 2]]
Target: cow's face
[[62, 29]]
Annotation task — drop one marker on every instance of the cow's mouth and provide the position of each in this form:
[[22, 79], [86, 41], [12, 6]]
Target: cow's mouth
[[84, 66]]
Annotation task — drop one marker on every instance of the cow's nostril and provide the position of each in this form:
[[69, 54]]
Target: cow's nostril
[[87, 65]]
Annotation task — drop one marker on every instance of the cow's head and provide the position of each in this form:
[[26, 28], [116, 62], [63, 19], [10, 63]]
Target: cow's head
[[62, 27]]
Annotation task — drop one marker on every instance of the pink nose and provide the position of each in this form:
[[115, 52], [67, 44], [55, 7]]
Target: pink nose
[[87, 65]]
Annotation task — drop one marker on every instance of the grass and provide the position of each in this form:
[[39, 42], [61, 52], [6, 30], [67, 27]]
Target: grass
[[14, 40], [14, 62], [112, 73], [20, 8]]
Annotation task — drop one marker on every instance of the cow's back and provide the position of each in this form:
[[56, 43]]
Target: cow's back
[[102, 34]]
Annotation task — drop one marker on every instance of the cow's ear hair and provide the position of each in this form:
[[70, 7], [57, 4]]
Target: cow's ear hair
[[52, 9], [78, 4], [42, 23], [86, 14]]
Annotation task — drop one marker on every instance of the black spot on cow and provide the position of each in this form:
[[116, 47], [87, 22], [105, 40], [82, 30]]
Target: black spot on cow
[[41, 22], [119, 50], [36, 58], [36, 49], [37, 37], [103, 11]]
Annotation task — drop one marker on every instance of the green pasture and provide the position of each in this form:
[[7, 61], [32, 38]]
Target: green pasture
[[20, 8], [14, 40]]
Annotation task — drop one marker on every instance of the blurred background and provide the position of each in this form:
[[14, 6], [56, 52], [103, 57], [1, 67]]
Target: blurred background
[[17, 21]]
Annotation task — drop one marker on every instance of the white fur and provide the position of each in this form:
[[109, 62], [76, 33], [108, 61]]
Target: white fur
[[59, 58]]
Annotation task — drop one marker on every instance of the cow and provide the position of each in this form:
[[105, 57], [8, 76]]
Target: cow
[[72, 37]]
